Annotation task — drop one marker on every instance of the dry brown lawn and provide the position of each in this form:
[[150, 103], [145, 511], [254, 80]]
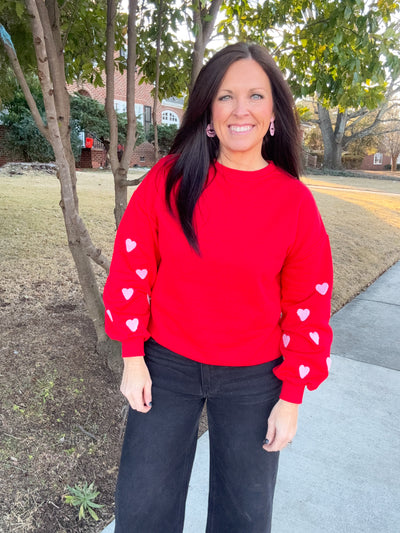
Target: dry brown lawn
[[362, 217], [61, 412]]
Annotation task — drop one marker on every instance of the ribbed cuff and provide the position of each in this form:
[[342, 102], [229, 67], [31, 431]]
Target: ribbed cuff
[[133, 347], [291, 393]]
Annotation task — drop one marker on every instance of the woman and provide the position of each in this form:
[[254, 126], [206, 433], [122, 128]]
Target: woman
[[219, 290]]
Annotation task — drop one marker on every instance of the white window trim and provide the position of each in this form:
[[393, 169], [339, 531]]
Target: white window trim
[[378, 158], [169, 103], [139, 113], [166, 118], [120, 106]]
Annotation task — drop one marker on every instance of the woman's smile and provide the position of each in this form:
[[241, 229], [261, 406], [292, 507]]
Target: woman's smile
[[240, 129]]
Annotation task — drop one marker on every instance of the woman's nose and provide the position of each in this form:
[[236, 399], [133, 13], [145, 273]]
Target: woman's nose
[[241, 107]]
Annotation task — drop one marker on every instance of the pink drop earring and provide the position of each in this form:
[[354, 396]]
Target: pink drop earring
[[210, 130], [272, 128]]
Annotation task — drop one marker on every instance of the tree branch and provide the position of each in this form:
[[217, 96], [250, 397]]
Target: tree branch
[[53, 55], [94, 253], [66, 33], [366, 132], [64, 4], [209, 24], [130, 86], [315, 23], [356, 121], [132, 183], [76, 229], [360, 112], [313, 121], [110, 70], [392, 130], [55, 61], [157, 77], [395, 120], [50, 20], [340, 126], [205, 29], [370, 129], [15, 65]]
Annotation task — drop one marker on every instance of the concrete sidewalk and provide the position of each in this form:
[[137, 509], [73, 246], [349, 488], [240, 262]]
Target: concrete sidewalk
[[342, 472]]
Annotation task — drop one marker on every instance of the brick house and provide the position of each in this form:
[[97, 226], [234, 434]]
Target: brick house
[[377, 161], [169, 111]]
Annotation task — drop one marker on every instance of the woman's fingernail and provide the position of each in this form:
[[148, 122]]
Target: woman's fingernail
[[150, 404], [265, 441]]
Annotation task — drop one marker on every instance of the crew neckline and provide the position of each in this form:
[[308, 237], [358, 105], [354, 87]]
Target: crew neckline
[[249, 174]]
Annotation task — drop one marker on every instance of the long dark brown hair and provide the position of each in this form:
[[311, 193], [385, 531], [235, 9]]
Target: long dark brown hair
[[196, 152]]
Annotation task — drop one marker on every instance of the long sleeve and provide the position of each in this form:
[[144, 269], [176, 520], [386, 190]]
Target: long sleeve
[[127, 292], [306, 288]]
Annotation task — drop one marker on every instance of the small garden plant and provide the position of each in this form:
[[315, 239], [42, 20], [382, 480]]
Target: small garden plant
[[83, 496]]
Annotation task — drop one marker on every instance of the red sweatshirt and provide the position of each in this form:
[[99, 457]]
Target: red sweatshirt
[[261, 287]]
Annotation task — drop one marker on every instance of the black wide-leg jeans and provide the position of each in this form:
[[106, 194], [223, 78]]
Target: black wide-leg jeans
[[159, 447]]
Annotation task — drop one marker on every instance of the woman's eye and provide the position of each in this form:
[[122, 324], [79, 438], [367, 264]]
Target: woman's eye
[[257, 96], [224, 98]]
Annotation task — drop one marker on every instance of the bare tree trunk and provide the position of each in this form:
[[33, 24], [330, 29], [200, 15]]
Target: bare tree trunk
[[332, 139], [157, 80], [82, 249], [121, 193], [395, 156], [50, 16], [204, 21], [120, 168]]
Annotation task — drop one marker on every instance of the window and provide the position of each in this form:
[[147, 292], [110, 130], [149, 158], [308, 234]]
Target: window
[[139, 113], [147, 118], [120, 106], [378, 158], [82, 137], [169, 117], [147, 113]]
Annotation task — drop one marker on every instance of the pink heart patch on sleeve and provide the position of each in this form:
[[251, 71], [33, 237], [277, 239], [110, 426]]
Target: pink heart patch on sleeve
[[132, 324], [142, 273], [285, 340], [314, 336], [304, 371], [322, 288], [130, 245], [127, 293], [303, 314]]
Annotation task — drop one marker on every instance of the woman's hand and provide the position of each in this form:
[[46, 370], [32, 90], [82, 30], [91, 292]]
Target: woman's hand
[[282, 425], [136, 384]]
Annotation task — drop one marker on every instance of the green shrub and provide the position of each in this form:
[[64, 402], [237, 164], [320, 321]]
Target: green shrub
[[166, 136], [351, 161], [389, 167], [23, 136], [90, 116]]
